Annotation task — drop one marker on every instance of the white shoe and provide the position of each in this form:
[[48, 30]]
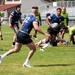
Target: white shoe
[[41, 49], [0, 59], [27, 65]]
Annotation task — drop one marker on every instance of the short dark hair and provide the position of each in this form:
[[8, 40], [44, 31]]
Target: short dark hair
[[18, 6], [58, 9], [34, 7]]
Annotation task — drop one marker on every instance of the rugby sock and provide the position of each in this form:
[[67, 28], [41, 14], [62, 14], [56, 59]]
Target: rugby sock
[[46, 45], [4, 55], [27, 61]]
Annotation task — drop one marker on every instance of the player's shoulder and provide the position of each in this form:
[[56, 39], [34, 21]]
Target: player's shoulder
[[53, 15], [13, 12]]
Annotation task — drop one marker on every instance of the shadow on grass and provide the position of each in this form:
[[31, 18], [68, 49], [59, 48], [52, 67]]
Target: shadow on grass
[[52, 65]]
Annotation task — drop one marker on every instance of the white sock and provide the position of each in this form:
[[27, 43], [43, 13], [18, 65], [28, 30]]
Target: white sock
[[3, 56], [27, 61], [39, 42], [46, 45]]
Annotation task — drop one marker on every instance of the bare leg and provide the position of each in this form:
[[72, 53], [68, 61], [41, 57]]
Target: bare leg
[[1, 34], [16, 30], [32, 50], [30, 54], [14, 50]]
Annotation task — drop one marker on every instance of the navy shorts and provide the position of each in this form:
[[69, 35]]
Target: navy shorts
[[52, 31], [15, 24], [23, 38]]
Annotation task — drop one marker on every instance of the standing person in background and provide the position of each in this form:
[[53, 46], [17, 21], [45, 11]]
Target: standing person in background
[[14, 17], [1, 20], [66, 19], [65, 15], [38, 17]]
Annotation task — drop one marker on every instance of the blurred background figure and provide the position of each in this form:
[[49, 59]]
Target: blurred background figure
[[65, 15], [66, 20], [1, 20], [14, 17]]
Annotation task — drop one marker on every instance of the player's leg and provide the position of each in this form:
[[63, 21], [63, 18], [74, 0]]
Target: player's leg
[[11, 51], [16, 30], [72, 39], [0, 34], [30, 54]]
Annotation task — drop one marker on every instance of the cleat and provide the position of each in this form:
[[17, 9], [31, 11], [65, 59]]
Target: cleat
[[27, 65], [1, 38], [67, 43], [41, 49]]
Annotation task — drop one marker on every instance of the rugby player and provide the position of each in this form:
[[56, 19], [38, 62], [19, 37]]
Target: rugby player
[[14, 18], [51, 19], [23, 37]]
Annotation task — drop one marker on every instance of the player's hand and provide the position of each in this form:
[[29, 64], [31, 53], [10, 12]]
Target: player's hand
[[51, 25], [47, 35], [10, 26]]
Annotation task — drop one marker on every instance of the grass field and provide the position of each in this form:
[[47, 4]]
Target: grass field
[[54, 61]]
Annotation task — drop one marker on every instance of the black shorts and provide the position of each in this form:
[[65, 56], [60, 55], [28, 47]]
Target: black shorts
[[52, 31], [15, 24], [0, 24], [23, 38]]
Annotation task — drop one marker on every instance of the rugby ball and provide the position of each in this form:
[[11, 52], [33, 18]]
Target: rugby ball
[[55, 25]]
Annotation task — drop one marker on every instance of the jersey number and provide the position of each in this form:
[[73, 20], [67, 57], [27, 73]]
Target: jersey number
[[27, 19]]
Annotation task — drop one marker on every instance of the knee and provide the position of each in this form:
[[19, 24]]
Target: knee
[[34, 49], [16, 50]]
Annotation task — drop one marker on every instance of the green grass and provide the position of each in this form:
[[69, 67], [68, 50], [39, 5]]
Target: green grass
[[54, 61]]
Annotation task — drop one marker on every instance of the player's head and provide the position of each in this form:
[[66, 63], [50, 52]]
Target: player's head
[[18, 8], [48, 15], [63, 9], [58, 11], [34, 10]]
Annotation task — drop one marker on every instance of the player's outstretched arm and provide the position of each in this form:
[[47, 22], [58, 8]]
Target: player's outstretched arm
[[36, 27]]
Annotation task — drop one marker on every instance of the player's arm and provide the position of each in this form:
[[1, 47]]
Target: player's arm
[[67, 19], [20, 20], [10, 18], [62, 22], [36, 27], [48, 22]]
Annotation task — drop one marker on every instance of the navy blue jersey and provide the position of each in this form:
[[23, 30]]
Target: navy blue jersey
[[16, 16], [56, 19], [28, 23]]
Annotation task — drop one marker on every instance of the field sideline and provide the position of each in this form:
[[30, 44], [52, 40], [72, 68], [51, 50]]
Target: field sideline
[[54, 61]]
